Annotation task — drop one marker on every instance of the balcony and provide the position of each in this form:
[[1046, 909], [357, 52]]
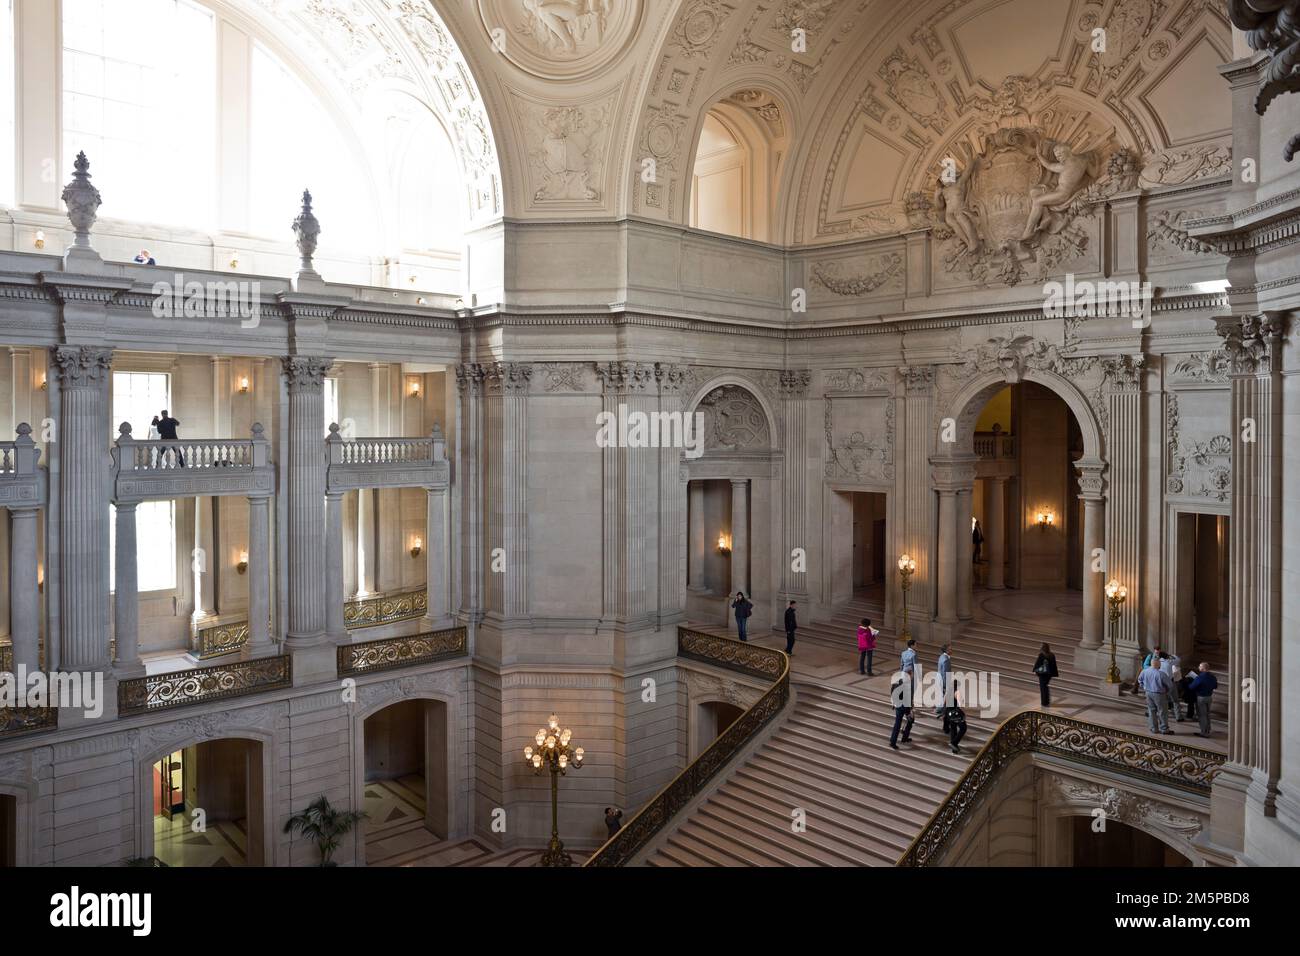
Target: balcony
[[22, 483], [200, 685], [386, 462], [995, 446], [367, 657], [158, 469]]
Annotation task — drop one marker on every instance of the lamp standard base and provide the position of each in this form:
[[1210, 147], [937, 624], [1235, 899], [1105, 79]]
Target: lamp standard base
[[555, 854]]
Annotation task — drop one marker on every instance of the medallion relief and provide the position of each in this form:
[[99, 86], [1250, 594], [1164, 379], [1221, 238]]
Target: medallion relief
[[560, 39]]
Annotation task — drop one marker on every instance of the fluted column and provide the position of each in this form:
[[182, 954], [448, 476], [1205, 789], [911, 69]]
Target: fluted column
[[671, 524], [953, 477], [334, 597], [699, 536], [83, 516], [946, 562], [1092, 493], [965, 553], [470, 432], [794, 512], [126, 597], [259, 577], [740, 535], [506, 416], [24, 607], [205, 569], [305, 376], [995, 531], [1126, 507]]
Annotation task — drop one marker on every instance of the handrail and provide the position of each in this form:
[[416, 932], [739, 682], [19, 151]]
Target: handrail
[[660, 810], [385, 609], [365, 657], [1034, 731], [198, 685]]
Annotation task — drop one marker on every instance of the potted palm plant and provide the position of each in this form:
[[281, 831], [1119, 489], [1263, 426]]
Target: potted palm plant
[[325, 824]]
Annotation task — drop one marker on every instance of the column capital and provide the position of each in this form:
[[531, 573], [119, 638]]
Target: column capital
[[82, 366], [1251, 341], [625, 377], [306, 372], [1092, 482], [794, 383], [917, 379], [954, 474], [508, 377], [469, 377], [1124, 372]]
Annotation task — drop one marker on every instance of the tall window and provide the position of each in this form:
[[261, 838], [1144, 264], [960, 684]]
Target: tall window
[[139, 96], [331, 403], [137, 398], [297, 145], [7, 141], [155, 544]]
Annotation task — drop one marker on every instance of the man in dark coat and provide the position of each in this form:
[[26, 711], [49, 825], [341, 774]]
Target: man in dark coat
[[790, 626], [166, 426]]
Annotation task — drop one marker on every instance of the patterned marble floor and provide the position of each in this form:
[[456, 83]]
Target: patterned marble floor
[[223, 843]]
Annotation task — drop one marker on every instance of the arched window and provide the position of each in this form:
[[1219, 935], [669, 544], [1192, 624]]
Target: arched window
[[7, 102], [737, 164], [139, 97], [295, 144]]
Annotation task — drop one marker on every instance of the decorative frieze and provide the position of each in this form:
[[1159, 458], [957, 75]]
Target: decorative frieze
[[562, 377], [625, 377], [507, 377], [858, 380], [1210, 368]]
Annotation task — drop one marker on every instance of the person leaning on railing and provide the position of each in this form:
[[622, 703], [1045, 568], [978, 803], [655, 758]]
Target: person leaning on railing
[[167, 426]]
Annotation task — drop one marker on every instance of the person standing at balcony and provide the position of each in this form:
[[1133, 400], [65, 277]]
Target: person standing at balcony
[[791, 625], [1203, 685], [167, 426], [900, 698], [1156, 684], [743, 610], [1045, 668], [866, 647], [977, 540]]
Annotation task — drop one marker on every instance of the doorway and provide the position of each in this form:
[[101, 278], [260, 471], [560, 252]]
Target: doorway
[[1201, 587], [207, 804], [405, 786], [1119, 845], [8, 830], [711, 719]]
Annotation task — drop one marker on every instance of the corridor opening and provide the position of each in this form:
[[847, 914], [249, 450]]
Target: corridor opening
[[405, 787], [1119, 845], [711, 719], [1201, 587], [8, 830], [207, 804]]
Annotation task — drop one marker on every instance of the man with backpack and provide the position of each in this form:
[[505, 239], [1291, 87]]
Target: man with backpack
[[954, 723]]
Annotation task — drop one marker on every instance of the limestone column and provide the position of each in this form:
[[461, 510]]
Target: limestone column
[[305, 376], [24, 607], [83, 516], [205, 568], [506, 420], [335, 625], [671, 523], [1207, 581], [259, 577], [699, 536], [995, 531], [367, 543], [126, 597], [740, 536], [794, 511], [470, 431], [436, 553], [1126, 506], [946, 560], [5, 549], [953, 478], [1092, 488], [965, 552]]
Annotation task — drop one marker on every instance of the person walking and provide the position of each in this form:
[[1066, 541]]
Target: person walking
[[791, 625], [954, 722], [900, 697], [1156, 684], [1203, 685], [866, 647], [1045, 668], [743, 610], [907, 661], [945, 679]]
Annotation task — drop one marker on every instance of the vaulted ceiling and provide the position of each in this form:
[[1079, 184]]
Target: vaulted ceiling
[[580, 108]]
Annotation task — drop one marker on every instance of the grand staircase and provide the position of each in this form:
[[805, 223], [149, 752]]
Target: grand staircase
[[862, 802]]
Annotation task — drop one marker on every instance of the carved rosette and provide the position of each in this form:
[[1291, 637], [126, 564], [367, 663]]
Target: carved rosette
[[1252, 341], [502, 378], [305, 373], [82, 366]]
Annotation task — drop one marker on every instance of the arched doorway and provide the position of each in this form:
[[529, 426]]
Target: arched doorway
[[405, 783], [207, 803], [1118, 845]]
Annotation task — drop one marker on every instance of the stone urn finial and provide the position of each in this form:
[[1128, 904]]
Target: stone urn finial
[[307, 228], [82, 200]]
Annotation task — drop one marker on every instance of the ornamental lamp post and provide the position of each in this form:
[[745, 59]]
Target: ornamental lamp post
[[1116, 595], [553, 753], [906, 568]]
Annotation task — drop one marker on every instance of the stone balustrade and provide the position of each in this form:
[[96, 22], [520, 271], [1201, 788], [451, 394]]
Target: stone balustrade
[[386, 462], [154, 469]]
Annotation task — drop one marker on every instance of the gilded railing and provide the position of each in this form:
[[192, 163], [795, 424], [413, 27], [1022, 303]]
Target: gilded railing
[[219, 639], [27, 720], [659, 812], [370, 612], [199, 685], [1032, 731], [368, 656], [6, 658]]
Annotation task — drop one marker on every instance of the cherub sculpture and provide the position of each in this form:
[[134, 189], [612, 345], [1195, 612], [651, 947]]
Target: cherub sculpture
[[950, 202], [1072, 171]]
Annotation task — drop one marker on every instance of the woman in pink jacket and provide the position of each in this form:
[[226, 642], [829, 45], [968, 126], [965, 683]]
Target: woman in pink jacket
[[866, 647]]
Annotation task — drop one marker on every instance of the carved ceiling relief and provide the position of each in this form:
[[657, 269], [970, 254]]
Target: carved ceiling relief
[[734, 420], [1199, 469], [1168, 239], [566, 151], [560, 39], [1121, 805], [884, 273], [860, 454]]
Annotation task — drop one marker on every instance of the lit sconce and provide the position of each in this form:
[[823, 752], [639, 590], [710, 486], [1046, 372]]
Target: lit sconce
[[417, 545], [419, 300], [40, 578], [243, 385], [234, 260], [45, 382], [415, 388], [724, 543], [40, 239], [1046, 518], [411, 279], [242, 566]]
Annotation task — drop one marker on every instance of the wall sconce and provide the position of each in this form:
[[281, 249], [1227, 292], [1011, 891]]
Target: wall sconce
[[1046, 519], [234, 260], [45, 382], [724, 543], [39, 242], [40, 578], [243, 385], [242, 565], [417, 545], [415, 388], [419, 300]]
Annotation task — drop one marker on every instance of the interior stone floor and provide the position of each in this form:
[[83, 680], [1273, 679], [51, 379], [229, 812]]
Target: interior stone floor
[[223, 843]]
